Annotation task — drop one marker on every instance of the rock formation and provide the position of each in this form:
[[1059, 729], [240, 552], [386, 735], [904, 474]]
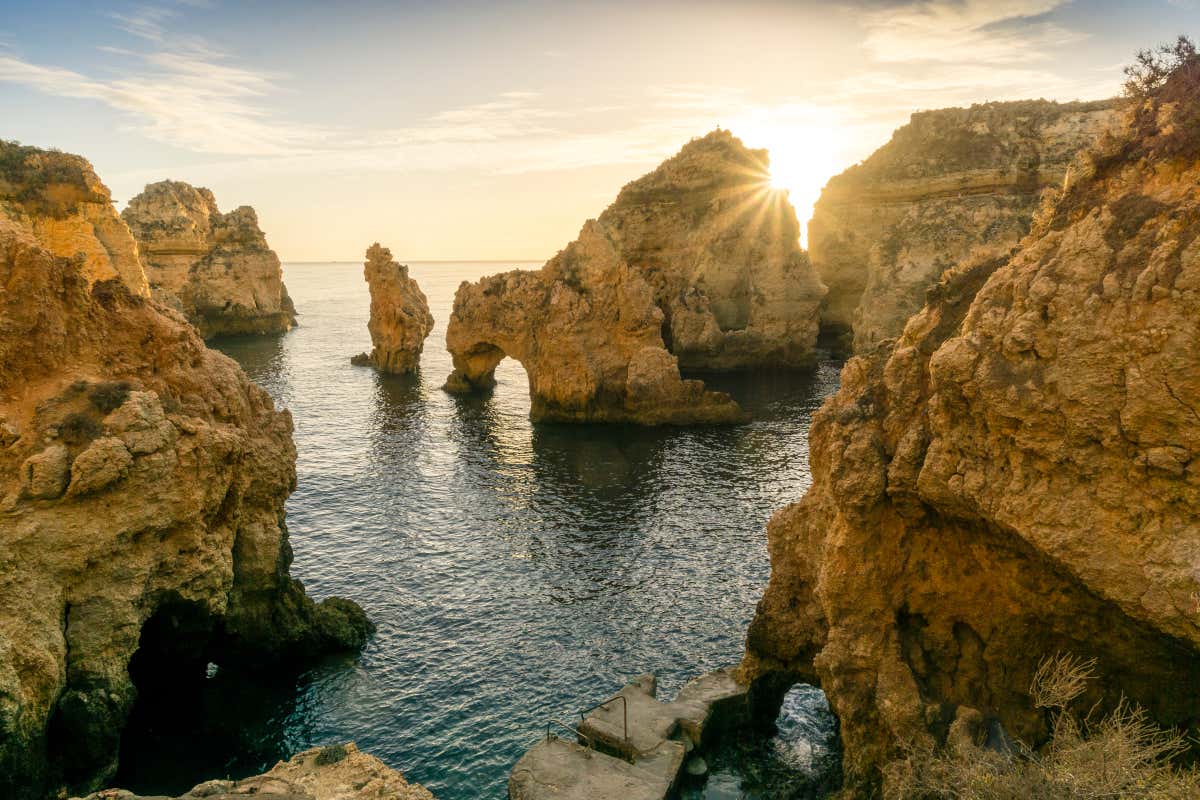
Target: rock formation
[[142, 488], [589, 334], [1018, 476], [216, 268], [696, 265], [951, 184], [337, 772], [58, 198], [400, 318]]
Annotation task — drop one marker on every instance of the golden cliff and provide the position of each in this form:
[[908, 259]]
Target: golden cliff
[[697, 265], [336, 772], [142, 488], [216, 268], [1017, 476], [951, 184], [58, 198], [400, 318]]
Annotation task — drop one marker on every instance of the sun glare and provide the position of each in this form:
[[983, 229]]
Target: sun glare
[[803, 157]]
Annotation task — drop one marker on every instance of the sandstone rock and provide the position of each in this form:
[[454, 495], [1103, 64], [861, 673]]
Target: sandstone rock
[[170, 540], [336, 772], [952, 184], [58, 198], [696, 265], [216, 268], [1016, 477], [589, 334], [400, 318]]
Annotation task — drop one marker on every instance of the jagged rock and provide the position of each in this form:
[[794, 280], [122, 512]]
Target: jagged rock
[[216, 268], [400, 318], [336, 772], [142, 511], [951, 184], [721, 250], [589, 334], [696, 265], [1016, 477], [59, 199]]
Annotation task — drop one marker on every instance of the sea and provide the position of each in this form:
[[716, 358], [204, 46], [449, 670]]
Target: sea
[[517, 572]]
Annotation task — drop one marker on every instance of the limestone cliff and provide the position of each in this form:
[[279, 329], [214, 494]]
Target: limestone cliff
[[337, 772], [216, 268], [951, 184], [1018, 476], [696, 265], [400, 318], [589, 334], [142, 488], [58, 198]]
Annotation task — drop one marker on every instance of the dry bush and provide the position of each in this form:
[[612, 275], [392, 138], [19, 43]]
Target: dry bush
[[1119, 757]]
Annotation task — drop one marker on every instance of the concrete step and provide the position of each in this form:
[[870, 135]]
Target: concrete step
[[556, 769], [650, 722]]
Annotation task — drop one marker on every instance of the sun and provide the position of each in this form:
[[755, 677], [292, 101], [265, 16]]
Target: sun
[[803, 156]]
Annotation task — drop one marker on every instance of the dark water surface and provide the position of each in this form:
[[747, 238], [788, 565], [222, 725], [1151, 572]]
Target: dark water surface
[[516, 572]]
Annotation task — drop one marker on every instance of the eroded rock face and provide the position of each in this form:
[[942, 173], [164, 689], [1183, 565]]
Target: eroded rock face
[[1018, 476], [216, 268], [589, 334], [697, 265], [400, 318], [721, 250], [142, 488], [336, 772], [59, 199], [952, 184]]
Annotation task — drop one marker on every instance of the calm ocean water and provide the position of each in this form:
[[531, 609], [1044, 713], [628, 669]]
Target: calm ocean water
[[515, 572]]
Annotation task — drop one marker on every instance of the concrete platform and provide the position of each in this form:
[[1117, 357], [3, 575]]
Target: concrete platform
[[643, 762]]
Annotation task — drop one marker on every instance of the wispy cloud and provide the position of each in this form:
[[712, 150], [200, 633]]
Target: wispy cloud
[[995, 32], [145, 22]]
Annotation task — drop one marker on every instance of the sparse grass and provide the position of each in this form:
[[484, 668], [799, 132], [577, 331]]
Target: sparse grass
[[1119, 757], [109, 395], [78, 429]]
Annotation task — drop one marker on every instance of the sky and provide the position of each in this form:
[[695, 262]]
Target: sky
[[493, 130]]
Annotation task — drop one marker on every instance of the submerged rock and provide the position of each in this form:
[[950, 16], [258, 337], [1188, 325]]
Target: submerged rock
[[336, 772], [142, 491], [216, 268], [696, 265], [1017, 477], [951, 184], [400, 318], [58, 198]]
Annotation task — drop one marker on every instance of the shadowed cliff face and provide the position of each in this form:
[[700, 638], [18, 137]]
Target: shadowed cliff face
[[952, 184], [697, 265], [142, 488], [58, 198], [1015, 477], [216, 268], [400, 318]]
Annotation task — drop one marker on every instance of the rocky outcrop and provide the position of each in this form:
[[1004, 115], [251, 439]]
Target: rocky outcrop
[[58, 198], [216, 268], [336, 772], [1018, 476], [142, 537], [695, 266], [400, 318], [952, 184], [589, 334]]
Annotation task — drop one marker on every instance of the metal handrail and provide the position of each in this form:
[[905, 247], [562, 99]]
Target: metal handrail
[[624, 712], [590, 745]]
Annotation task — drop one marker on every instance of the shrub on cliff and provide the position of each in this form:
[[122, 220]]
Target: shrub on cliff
[[1122, 756], [1162, 79]]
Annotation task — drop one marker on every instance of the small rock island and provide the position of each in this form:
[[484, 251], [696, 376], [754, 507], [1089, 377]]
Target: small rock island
[[400, 319], [215, 268]]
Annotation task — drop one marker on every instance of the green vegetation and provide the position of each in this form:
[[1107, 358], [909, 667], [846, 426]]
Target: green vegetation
[[1121, 756]]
